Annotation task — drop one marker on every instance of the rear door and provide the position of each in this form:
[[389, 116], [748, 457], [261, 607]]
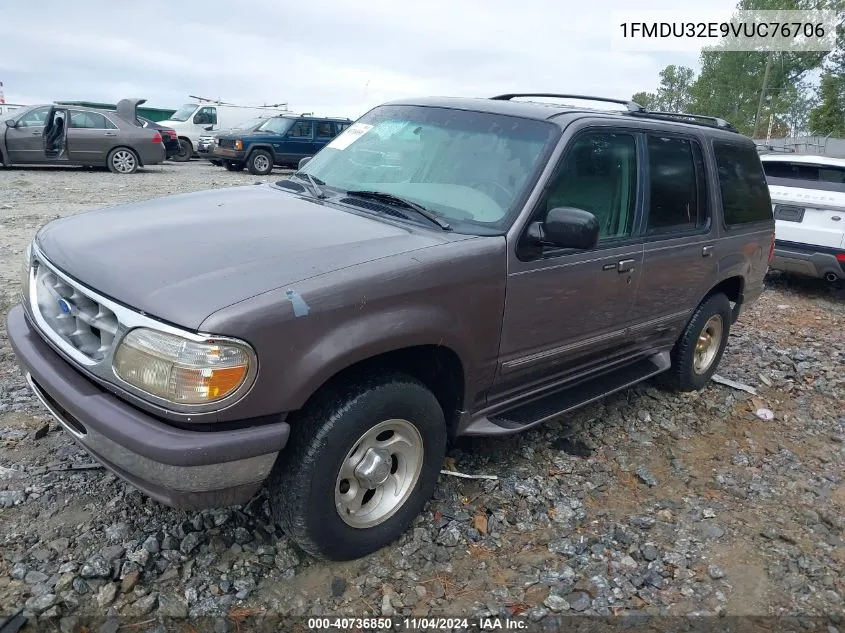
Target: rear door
[[23, 142], [90, 136], [679, 237], [808, 201]]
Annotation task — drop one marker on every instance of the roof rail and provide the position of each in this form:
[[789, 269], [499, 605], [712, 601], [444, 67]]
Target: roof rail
[[699, 119], [632, 106]]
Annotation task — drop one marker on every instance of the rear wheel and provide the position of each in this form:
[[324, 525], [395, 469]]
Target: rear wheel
[[232, 165], [122, 160], [186, 150], [361, 465], [701, 345], [260, 162]]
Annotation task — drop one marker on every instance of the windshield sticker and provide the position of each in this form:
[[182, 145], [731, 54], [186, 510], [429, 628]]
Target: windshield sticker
[[350, 135]]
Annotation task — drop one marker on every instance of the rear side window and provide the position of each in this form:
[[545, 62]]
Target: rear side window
[[325, 129], [677, 192], [745, 194]]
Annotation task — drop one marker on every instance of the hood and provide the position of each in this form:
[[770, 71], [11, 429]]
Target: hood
[[128, 108], [181, 258]]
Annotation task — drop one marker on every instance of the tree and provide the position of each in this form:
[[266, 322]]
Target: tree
[[829, 116], [673, 94], [645, 99], [800, 101]]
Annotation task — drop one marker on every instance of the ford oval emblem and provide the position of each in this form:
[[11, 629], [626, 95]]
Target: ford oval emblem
[[65, 306]]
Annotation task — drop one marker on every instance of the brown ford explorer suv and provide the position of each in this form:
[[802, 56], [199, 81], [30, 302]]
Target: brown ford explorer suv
[[444, 267]]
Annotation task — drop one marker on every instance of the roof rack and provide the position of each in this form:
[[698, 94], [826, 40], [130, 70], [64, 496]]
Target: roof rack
[[632, 106], [699, 119]]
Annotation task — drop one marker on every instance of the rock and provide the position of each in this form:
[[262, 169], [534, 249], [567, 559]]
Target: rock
[[64, 583], [450, 536], [711, 530], [556, 603], [645, 476], [578, 601], [715, 572], [19, 571], [190, 543], [129, 581], [146, 604], [35, 577], [41, 431], [117, 532], [172, 606], [140, 557], [649, 552], [9, 498], [244, 587], [242, 536], [112, 552], [151, 545], [69, 624], [107, 594], [37, 604], [387, 609], [96, 567], [338, 587]]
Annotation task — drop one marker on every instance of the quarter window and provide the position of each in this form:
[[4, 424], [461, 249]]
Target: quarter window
[[599, 174], [325, 129], [677, 200], [301, 129], [745, 194]]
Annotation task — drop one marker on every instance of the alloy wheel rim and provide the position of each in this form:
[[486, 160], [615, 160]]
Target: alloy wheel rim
[[708, 343], [261, 162], [123, 161], [379, 473]]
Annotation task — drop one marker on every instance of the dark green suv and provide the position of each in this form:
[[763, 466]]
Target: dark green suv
[[281, 140]]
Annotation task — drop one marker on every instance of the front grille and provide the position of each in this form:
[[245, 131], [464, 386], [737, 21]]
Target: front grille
[[73, 316], [226, 143]]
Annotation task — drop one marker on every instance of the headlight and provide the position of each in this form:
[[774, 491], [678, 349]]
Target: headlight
[[180, 370], [27, 260], [239, 144]]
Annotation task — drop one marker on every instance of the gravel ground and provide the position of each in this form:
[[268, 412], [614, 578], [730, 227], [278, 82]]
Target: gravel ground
[[646, 502]]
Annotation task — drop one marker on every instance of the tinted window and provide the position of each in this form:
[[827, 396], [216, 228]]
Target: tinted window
[[599, 175], [301, 129], [342, 126], [803, 171], [745, 195], [325, 129], [34, 118], [677, 193], [90, 120]]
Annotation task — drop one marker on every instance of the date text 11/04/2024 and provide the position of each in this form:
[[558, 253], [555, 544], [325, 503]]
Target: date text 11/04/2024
[[418, 624]]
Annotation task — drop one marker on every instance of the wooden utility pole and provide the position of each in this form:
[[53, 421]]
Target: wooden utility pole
[[762, 93]]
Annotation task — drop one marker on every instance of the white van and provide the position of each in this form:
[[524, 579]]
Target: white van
[[193, 120], [808, 196]]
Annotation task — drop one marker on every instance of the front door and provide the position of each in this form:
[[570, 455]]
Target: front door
[[90, 136], [299, 141], [24, 142], [563, 310]]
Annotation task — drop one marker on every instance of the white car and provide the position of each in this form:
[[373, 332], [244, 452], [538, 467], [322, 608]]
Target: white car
[[808, 197]]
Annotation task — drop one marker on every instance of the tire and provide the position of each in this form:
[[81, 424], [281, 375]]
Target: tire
[[232, 165], [186, 150], [122, 160], [260, 162], [306, 486], [686, 374], [216, 163]]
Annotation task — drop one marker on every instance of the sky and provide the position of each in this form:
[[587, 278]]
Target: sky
[[329, 57]]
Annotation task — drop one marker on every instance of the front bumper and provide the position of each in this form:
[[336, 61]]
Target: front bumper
[[180, 468], [226, 153], [806, 260]]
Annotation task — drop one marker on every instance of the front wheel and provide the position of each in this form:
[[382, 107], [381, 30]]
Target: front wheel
[[260, 162], [361, 465], [701, 345]]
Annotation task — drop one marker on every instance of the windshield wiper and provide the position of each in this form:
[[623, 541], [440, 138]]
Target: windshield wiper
[[402, 202], [313, 182]]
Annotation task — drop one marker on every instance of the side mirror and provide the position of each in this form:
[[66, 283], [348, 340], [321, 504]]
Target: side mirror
[[303, 162], [567, 227], [208, 128], [10, 123]]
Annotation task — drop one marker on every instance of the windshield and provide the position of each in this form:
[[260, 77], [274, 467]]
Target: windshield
[[276, 125], [184, 112], [465, 166], [248, 125]]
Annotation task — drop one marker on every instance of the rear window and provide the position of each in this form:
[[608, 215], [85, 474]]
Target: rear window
[[804, 171], [745, 194]]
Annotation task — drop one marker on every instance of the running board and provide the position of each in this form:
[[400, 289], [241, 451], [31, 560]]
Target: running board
[[571, 397]]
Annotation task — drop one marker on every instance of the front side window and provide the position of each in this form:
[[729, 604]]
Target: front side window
[[206, 116], [745, 194], [469, 167], [677, 192], [34, 118], [301, 129], [599, 174]]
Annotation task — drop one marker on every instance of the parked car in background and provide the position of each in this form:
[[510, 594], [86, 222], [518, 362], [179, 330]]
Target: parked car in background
[[444, 267], [168, 135], [281, 140], [808, 197], [193, 120], [205, 147], [71, 135]]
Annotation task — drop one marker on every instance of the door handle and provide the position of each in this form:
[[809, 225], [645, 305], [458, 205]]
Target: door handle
[[36, 133], [609, 267], [111, 133], [707, 251], [625, 265]]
